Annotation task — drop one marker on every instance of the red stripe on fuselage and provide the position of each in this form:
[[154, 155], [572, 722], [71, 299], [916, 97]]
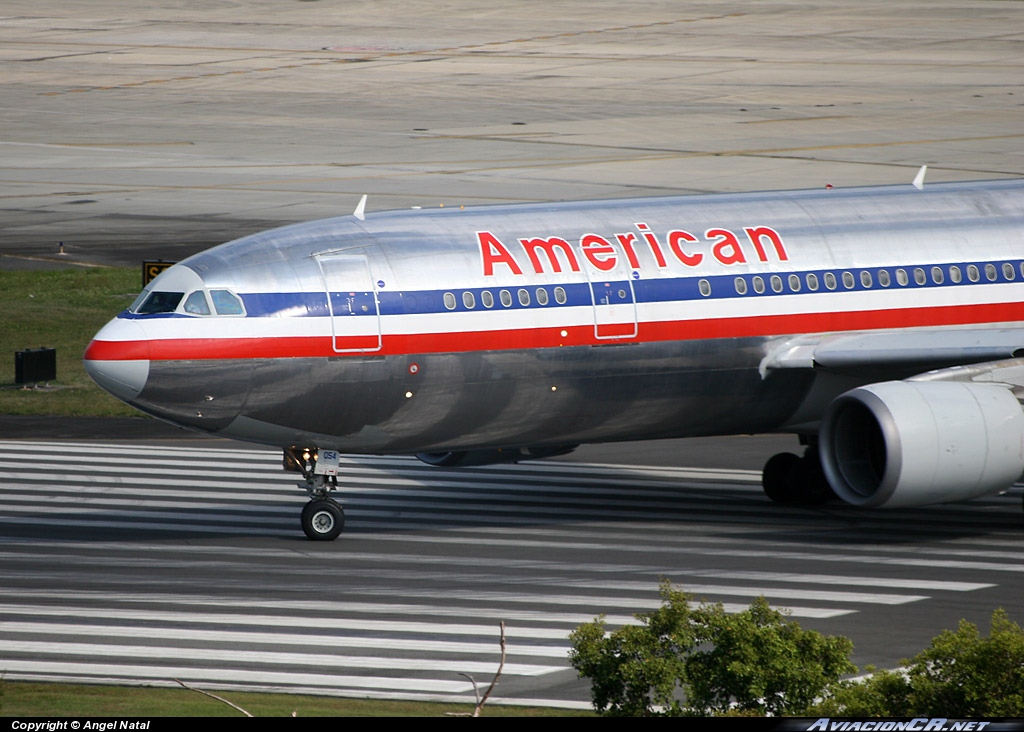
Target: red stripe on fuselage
[[192, 349]]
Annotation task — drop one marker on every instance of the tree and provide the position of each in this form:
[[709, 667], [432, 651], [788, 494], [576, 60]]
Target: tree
[[699, 661], [965, 674], [759, 662], [874, 696], [960, 674], [637, 671]]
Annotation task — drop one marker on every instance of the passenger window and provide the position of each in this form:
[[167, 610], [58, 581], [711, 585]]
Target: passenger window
[[160, 302], [955, 275], [449, 301], [990, 272], [560, 295], [901, 277], [741, 286], [758, 285], [195, 304], [542, 296], [1008, 271], [705, 287], [226, 303], [848, 281], [865, 278], [830, 281], [487, 299], [883, 277], [506, 298], [919, 276], [794, 283], [468, 300], [812, 282], [524, 297], [776, 283], [937, 275], [972, 273]]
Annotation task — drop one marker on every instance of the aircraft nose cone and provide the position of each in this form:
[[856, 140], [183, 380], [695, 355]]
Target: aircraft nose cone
[[118, 359], [123, 379]]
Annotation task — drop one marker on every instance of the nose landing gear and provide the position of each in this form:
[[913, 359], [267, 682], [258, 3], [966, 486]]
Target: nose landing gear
[[323, 518]]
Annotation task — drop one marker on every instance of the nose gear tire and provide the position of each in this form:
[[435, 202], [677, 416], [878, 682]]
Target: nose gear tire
[[322, 519]]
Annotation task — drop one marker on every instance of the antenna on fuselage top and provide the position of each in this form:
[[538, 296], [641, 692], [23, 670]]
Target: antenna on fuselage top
[[360, 212], [919, 178]]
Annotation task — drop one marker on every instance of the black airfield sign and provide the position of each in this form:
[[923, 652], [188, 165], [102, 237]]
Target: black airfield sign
[[150, 269]]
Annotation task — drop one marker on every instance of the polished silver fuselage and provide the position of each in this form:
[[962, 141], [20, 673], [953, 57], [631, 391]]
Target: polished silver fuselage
[[567, 323]]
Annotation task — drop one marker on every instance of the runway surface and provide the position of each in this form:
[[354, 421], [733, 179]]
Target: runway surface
[[139, 563], [135, 129]]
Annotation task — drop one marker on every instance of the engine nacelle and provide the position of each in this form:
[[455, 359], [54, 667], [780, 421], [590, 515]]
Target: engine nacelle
[[467, 458], [915, 443]]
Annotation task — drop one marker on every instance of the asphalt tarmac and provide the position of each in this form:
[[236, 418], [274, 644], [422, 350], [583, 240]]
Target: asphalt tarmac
[[136, 129]]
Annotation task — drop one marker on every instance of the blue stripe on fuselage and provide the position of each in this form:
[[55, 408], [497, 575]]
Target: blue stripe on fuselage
[[578, 294]]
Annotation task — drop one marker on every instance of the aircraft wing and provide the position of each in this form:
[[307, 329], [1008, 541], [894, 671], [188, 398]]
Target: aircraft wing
[[904, 351]]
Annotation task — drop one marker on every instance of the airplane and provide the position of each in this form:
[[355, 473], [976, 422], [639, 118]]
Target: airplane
[[882, 325]]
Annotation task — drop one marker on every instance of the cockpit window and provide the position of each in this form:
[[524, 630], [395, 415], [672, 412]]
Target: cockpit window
[[137, 302], [226, 302], [195, 304], [160, 302], [198, 302]]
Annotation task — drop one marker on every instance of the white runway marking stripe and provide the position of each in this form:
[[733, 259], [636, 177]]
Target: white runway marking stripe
[[236, 656], [289, 622], [281, 638], [656, 545], [310, 612], [846, 580], [773, 592], [133, 671]]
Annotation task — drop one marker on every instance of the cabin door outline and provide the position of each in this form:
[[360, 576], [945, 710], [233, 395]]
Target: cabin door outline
[[614, 301], [353, 303]]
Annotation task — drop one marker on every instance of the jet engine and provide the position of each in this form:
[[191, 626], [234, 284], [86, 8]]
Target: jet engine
[[915, 443], [467, 458]]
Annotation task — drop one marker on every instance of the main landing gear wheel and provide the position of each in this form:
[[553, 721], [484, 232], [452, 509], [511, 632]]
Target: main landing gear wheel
[[777, 478], [322, 519], [794, 480]]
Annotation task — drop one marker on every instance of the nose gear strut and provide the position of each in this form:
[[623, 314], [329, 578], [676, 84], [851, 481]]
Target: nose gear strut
[[323, 518]]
